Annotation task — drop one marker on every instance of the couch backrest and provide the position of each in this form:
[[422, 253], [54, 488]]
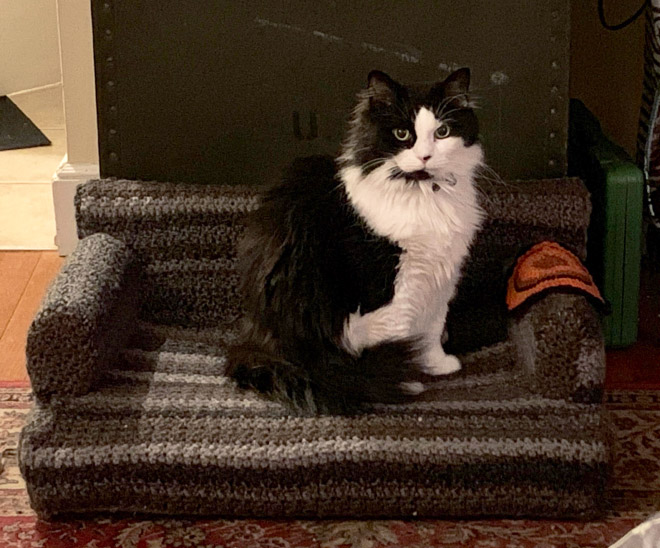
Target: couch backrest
[[186, 235]]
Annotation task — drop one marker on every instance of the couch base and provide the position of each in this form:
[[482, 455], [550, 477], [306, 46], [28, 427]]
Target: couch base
[[164, 432]]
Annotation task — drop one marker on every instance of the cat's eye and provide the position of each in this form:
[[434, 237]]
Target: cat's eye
[[442, 131], [402, 134]]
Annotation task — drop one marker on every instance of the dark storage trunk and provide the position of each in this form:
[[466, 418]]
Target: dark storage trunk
[[215, 91]]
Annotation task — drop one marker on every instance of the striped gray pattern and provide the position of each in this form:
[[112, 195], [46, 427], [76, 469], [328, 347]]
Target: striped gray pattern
[[648, 135], [151, 424], [651, 77]]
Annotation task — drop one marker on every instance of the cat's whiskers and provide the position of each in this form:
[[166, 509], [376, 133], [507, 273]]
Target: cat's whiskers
[[445, 104], [486, 176], [444, 115], [358, 150], [372, 163], [367, 95], [401, 111], [494, 177], [442, 104]]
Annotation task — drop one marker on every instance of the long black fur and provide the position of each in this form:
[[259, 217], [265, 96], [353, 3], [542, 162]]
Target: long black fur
[[306, 261]]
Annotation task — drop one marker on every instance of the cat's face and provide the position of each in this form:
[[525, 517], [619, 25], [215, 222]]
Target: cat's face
[[414, 134]]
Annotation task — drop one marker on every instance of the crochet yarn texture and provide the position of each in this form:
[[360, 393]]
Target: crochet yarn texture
[[134, 414]]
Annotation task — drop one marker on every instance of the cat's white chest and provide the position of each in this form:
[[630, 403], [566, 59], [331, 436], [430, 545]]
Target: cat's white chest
[[434, 231], [408, 214]]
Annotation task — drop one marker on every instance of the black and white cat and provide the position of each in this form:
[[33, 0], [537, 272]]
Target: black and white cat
[[349, 265]]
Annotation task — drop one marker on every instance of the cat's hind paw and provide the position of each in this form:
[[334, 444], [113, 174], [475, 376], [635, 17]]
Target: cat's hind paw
[[439, 363]]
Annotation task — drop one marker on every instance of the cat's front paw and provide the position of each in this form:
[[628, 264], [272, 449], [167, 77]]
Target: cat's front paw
[[439, 363]]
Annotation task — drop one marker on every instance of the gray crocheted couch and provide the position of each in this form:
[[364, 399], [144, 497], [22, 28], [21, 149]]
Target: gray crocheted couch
[[133, 412]]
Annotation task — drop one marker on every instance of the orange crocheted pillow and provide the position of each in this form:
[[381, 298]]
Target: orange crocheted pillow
[[547, 265]]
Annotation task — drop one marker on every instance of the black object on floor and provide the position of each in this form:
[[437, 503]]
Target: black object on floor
[[16, 129]]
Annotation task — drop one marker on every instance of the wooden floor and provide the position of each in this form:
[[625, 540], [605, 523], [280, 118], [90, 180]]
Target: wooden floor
[[25, 275], [638, 367]]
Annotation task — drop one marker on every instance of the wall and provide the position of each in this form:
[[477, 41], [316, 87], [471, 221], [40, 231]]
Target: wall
[[607, 66], [75, 21], [29, 50], [75, 24]]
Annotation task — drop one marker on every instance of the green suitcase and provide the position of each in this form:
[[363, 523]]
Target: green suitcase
[[615, 233]]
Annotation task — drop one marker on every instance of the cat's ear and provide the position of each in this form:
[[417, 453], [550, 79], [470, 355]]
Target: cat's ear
[[382, 89], [457, 83]]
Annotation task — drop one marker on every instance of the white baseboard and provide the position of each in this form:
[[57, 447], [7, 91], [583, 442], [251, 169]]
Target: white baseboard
[[65, 181]]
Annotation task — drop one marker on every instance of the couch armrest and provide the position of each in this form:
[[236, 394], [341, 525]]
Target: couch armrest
[[86, 314], [519, 215], [559, 341]]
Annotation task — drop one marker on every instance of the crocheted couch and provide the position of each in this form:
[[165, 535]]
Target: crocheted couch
[[133, 412]]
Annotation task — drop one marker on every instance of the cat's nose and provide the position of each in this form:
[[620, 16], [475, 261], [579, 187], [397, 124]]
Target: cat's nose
[[425, 158]]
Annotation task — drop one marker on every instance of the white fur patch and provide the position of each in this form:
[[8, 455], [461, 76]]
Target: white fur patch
[[412, 159], [434, 230]]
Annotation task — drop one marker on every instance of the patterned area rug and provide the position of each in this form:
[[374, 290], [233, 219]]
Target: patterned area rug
[[635, 494]]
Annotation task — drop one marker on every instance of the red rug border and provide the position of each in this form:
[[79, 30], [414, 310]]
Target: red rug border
[[14, 384]]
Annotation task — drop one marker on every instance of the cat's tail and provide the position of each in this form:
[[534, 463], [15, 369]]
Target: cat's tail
[[336, 382]]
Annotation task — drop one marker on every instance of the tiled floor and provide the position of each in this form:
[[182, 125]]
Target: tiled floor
[[27, 216]]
